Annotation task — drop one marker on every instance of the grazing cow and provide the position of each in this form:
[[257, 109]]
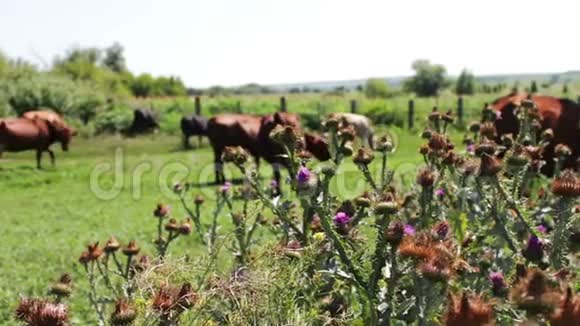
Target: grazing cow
[[317, 145], [19, 134], [561, 115], [143, 121], [46, 115], [252, 132], [193, 125], [361, 124], [233, 130]]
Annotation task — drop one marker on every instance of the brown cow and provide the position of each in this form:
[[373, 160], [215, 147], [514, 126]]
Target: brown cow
[[253, 133], [233, 130], [46, 115], [561, 115], [19, 134]]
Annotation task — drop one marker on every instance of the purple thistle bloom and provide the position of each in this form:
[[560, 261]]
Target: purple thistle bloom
[[409, 229], [542, 228], [534, 250], [341, 218], [440, 192], [225, 187], [442, 229], [497, 281], [470, 148], [303, 175], [274, 184]]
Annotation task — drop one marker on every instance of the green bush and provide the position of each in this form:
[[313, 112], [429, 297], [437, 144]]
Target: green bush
[[116, 120]]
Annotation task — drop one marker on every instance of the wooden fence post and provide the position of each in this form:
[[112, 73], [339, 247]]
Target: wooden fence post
[[460, 110], [578, 99], [197, 105], [283, 107], [353, 106], [411, 114]]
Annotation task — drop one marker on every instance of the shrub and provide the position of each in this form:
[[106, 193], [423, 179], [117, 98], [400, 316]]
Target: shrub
[[115, 120], [377, 88]]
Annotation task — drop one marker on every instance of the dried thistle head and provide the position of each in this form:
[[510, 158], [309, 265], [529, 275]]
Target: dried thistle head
[[198, 200], [131, 249], [534, 294], [568, 312], [488, 130], [394, 233], [426, 178], [435, 270], [562, 150], [419, 247], [567, 184], [490, 166], [172, 225], [466, 310], [161, 211], [363, 157], [92, 253], [124, 313], [185, 227], [41, 312], [63, 287], [438, 142], [112, 245]]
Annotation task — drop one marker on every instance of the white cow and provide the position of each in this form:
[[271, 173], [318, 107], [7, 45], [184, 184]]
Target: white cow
[[361, 124]]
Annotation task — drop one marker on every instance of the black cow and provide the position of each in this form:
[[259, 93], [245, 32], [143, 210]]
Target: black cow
[[143, 121], [193, 125]]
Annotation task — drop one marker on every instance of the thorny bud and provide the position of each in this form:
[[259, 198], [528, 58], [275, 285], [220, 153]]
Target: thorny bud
[[486, 147], [346, 134], [548, 134], [236, 155], [490, 166], [394, 233], [488, 130], [199, 200], [386, 207], [427, 133], [474, 127], [185, 227], [384, 145], [363, 157], [62, 288], [562, 150], [161, 211], [426, 178], [112, 245], [132, 249], [285, 135], [172, 226]]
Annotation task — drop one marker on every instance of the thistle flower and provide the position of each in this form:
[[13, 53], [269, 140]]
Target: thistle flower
[[548, 134], [435, 115], [440, 193], [185, 227], [426, 178], [566, 185], [363, 157], [384, 145], [394, 233], [177, 188], [386, 207], [534, 250], [131, 249], [448, 117], [517, 157], [486, 147], [450, 158], [490, 166], [37, 312], [236, 155], [346, 133], [198, 200], [441, 230], [435, 271], [142, 264], [225, 187], [172, 226], [412, 248], [438, 142], [426, 134], [303, 176], [498, 285], [468, 311], [562, 150], [474, 127], [341, 218], [363, 201], [92, 253], [568, 312], [488, 130], [285, 135], [534, 294], [424, 150], [409, 230], [112, 245], [124, 313], [542, 229], [470, 148], [62, 288], [161, 211]]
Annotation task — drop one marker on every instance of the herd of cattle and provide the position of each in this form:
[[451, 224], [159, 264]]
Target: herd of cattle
[[38, 130]]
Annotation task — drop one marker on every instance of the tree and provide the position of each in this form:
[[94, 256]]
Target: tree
[[465, 84], [114, 58], [428, 80], [142, 85], [533, 87], [376, 88]]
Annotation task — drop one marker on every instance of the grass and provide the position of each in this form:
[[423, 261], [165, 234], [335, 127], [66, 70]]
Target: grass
[[49, 215]]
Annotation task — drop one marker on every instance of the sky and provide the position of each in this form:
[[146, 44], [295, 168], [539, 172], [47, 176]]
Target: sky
[[233, 42]]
